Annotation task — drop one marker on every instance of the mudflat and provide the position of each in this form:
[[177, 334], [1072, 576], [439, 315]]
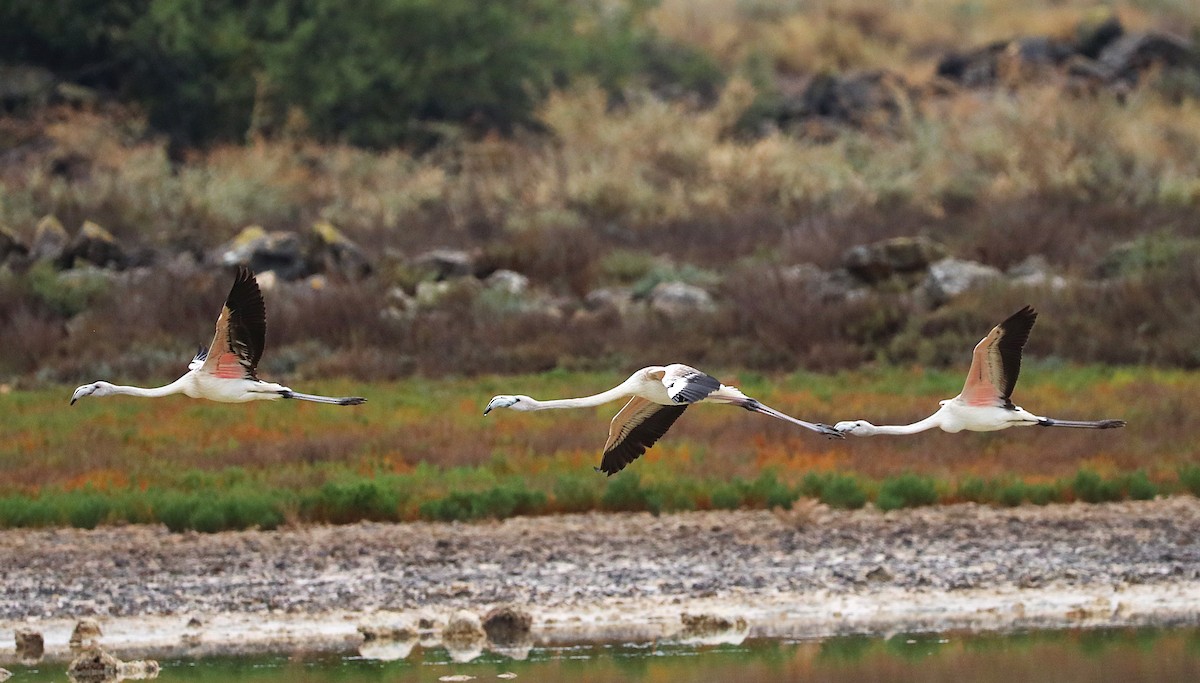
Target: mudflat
[[805, 572]]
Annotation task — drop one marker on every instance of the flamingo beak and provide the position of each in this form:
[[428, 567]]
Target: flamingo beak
[[487, 409], [73, 399]]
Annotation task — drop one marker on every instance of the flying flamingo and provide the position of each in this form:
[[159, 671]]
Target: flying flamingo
[[659, 395], [984, 404], [225, 372]]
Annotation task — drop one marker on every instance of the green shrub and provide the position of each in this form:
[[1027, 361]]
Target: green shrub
[[1140, 487], [1189, 478], [577, 493], [906, 490], [727, 495], [1090, 487], [353, 501], [86, 511], [835, 490], [766, 490], [497, 503], [1013, 494], [974, 489], [625, 493], [208, 516]]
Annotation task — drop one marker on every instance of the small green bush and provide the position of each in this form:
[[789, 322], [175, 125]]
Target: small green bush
[[1090, 487], [1013, 494], [1189, 478], [1140, 487], [727, 495], [87, 511], [625, 493], [352, 501], [973, 489], [577, 493], [905, 491], [835, 490]]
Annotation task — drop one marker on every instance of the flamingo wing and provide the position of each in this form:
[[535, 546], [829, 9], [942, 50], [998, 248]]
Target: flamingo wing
[[688, 385], [241, 331], [996, 362], [638, 426]]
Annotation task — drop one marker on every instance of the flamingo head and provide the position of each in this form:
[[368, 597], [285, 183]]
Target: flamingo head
[[505, 401], [855, 427], [93, 389]]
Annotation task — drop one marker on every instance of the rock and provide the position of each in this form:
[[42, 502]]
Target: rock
[[507, 625], [1129, 55], [679, 299], [712, 629], [95, 245], [49, 240], [87, 632], [259, 250], [24, 86], [330, 251], [874, 99], [464, 637], [878, 574], [879, 261], [94, 665], [10, 245], [826, 285], [5, 674], [194, 622], [1094, 38], [1002, 61], [507, 281], [1035, 272], [445, 264], [619, 299], [431, 294], [387, 643], [138, 669], [29, 644], [950, 277]]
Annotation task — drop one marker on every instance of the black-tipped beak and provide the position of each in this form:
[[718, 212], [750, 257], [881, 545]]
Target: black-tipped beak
[[73, 401], [487, 410]]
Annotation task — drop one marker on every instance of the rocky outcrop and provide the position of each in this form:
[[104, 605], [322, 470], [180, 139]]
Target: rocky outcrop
[[950, 277], [11, 245], [871, 100], [680, 299], [464, 637], [712, 629], [94, 665], [29, 644], [387, 642], [259, 250], [95, 245], [507, 625], [330, 251], [444, 264], [900, 256], [50, 240], [87, 633]]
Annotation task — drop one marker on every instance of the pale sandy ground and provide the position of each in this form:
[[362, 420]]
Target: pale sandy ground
[[628, 577]]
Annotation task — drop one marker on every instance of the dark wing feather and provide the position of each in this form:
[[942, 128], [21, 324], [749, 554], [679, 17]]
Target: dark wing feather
[[688, 385], [247, 320], [1015, 333], [643, 432]]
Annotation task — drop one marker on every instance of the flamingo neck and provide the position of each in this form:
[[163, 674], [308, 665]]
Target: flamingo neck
[[175, 387], [617, 392], [928, 423]]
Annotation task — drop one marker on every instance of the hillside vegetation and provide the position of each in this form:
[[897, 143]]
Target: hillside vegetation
[[739, 148]]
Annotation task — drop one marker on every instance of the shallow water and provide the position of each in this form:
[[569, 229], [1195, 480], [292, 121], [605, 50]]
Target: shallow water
[[1117, 655]]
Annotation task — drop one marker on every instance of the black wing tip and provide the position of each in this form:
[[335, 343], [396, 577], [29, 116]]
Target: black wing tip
[[352, 401], [1026, 316]]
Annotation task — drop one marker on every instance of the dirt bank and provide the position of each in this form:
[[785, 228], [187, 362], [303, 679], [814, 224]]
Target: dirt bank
[[808, 572]]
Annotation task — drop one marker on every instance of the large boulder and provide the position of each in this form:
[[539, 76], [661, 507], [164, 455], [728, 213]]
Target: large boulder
[[94, 245], [1129, 55], [507, 625], [712, 629], [445, 264], [950, 277], [1002, 61], [464, 637], [29, 644], [903, 256], [11, 245], [279, 251], [87, 632], [330, 251], [50, 240], [679, 300], [873, 99], [94, 665]]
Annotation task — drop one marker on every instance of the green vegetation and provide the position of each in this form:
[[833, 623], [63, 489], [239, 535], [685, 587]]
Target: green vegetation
[[421, 450]]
